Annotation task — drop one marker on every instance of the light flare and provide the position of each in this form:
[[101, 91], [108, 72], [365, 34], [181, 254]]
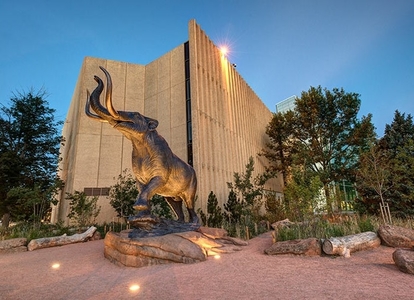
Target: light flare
[[56, 266], [134, 288], [224, 50]]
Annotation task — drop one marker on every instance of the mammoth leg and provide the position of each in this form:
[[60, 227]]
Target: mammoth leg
[[141, 203], [193, 215], [177, 207], [146, 192], [188, 198]]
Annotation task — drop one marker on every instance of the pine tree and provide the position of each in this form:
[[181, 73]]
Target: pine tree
[[29, 156]]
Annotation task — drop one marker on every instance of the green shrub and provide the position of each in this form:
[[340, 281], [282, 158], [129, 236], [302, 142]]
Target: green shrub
[[160, 207], [83, 209], [323, 229], [123, 194], [33, 231], [214, 216]]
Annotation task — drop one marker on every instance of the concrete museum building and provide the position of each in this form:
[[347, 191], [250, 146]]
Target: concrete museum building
[[207, 113]]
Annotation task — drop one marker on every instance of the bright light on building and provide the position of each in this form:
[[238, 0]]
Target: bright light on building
[[224, 50]]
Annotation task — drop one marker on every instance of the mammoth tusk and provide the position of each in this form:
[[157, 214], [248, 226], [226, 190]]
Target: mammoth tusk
[[108, 98], [88, 111]]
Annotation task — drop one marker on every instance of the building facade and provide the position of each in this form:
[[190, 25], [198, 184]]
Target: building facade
[[286, 105], [207, 113]]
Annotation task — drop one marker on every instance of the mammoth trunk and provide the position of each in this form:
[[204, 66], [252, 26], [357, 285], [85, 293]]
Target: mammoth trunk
[[107, 113]]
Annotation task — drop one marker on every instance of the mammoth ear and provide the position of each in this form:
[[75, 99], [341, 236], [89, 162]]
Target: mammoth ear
[[152, 123]]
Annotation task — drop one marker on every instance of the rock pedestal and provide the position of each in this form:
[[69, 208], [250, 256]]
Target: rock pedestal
[[182, 247]]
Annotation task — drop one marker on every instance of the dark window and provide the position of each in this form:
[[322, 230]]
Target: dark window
[[188, 103], [96, 191]]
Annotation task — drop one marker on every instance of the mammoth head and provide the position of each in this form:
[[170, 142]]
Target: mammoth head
[[129, 123]]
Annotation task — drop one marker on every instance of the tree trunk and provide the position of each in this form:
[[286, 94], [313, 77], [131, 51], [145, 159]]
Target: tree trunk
[[61, 240], [351, 243], [5, 220], [328, 199]]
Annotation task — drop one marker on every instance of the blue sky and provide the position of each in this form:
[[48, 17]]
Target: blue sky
[[281, 48]]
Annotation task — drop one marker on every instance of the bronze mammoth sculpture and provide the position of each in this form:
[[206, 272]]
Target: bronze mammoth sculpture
[[157, 169]]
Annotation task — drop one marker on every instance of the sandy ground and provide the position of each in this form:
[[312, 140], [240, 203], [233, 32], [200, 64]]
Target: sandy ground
[[84, 273]]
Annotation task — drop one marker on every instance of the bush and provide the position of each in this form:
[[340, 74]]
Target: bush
[[32, 231], [83, 209], [323, 229], [160, 207], [214, 217], [122, 195]]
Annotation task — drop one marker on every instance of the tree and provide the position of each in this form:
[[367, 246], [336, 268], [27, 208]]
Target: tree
[[161, 208], [233, 208], [83, 209], [123, 194], [250, 189], [301, 195], [280, 147], [373, 175], [324, 137], [29, 155], [214, 217], [397, 143]]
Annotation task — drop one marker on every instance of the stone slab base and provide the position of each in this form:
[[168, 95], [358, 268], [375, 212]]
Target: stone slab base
[[184, 247]]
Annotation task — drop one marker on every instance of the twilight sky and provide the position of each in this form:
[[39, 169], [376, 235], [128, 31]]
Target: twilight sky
[[281, 48]]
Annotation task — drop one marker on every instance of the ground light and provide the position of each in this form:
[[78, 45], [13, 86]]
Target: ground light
[[134, 288], [56, 266]]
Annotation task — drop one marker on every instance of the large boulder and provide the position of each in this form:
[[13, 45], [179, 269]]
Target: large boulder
[[13, 245], [404, 260], [151, 250], [180, 247], [308, 247], [397, 237]]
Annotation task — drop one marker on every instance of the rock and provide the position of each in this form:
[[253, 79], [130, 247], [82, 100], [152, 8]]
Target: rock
[[211, 246], [151, 250], [214, 233], [282, 224], [234, 241], [397, 237], [220, 235], [13, 245], [96, 236], [404, 260], [180, 247], [308, 247]]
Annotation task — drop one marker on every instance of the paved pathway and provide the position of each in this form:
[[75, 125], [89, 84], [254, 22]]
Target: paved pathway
[[84, 273]]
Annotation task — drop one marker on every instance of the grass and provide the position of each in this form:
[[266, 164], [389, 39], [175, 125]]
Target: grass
[[33, 231], [324, 229], [317, 228]]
